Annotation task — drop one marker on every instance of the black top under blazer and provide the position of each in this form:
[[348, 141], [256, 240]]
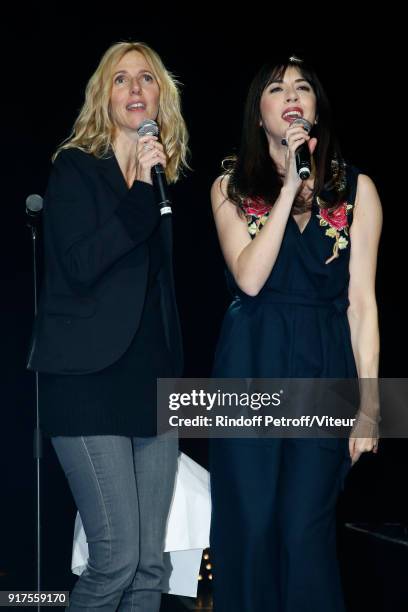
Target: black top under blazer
[[96, 267]]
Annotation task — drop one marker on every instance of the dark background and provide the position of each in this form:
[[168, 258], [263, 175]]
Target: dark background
[[47, 61]]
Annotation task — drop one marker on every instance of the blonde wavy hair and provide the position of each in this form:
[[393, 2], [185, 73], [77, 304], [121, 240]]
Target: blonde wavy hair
[[94, 130]]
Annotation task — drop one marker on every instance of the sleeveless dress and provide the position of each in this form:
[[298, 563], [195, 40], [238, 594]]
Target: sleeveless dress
[[297, 325], [273, 529]]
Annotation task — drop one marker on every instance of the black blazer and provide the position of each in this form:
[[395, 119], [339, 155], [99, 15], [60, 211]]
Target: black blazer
[[96, 267]]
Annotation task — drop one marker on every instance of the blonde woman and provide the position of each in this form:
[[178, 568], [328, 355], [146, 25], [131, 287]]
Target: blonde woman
[[108, 326]]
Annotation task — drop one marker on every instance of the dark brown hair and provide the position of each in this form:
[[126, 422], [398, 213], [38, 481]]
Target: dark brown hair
[[253, 173]]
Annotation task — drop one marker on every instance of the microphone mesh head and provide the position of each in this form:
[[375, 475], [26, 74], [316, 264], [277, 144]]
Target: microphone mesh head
[[34, 202], [300, 121], [148, 127]]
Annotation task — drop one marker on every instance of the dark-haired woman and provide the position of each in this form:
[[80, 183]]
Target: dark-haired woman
[[301, 259]]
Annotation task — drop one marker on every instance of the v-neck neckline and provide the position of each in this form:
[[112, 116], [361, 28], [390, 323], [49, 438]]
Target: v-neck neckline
[[119, 169], [112, 172], [299, 231]]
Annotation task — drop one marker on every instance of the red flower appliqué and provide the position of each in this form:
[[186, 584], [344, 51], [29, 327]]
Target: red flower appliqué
[[256, 207], [337, 226], [256, 211], [337, 219]]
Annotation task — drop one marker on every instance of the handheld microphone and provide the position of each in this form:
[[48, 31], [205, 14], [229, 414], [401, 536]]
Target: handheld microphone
[[150, 127], [302, 155]]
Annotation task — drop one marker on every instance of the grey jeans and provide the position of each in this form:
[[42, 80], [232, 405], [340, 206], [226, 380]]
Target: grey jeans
[[122, 487]]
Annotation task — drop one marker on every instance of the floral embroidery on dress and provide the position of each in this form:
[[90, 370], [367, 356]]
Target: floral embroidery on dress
[[256, 212], [337, 226]]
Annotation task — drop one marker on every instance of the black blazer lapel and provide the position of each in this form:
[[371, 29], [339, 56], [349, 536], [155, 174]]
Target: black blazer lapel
[[111, 173]]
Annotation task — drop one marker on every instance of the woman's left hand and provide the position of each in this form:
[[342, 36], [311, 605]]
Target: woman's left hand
[[365, 432], [357, 446]]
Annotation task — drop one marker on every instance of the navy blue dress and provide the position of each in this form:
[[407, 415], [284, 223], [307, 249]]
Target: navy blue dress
[[273, 526]]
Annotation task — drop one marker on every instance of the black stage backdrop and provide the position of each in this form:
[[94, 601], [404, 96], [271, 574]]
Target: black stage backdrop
[[47, 61]]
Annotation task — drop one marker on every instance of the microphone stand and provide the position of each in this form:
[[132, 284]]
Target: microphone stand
[[32, 223]]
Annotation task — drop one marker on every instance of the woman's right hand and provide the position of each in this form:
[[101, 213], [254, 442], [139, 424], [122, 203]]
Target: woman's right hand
[[295, 136], [149, 152]]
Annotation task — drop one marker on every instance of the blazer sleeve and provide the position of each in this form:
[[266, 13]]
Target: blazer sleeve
[[86, 247]]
